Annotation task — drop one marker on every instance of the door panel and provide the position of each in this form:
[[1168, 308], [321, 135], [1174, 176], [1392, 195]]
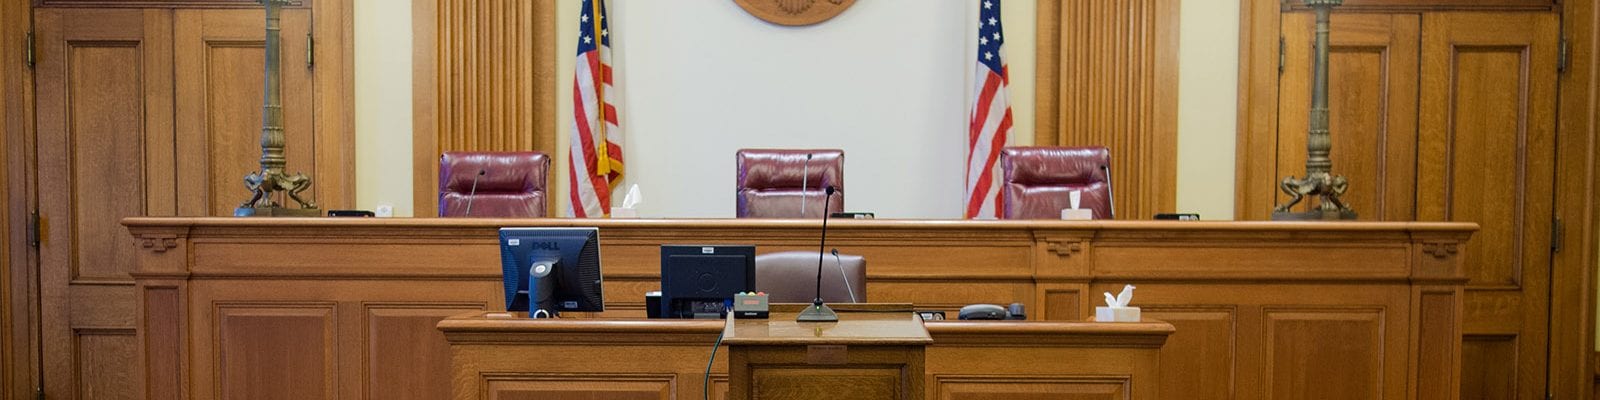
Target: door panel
[[220, 55], [104, 123], [1487, 155], [1372, 107]]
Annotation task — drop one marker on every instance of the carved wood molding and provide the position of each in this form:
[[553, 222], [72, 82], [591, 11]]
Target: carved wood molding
[[484, 79], [1064, 248], [1440, 250], [158, 244], [1106, 74]]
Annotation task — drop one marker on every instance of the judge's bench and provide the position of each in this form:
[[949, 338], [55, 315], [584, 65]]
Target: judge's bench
[[370, 308]]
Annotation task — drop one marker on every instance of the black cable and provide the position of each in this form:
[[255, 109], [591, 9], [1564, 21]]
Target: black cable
[[705, 384]]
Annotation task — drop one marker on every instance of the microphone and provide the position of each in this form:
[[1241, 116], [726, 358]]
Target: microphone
[[840, 264], [805, 173], [473, 195], [1111, 199], [819, 312]]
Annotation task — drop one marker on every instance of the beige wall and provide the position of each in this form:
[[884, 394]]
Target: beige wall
[[383, 105], [1207, 97]]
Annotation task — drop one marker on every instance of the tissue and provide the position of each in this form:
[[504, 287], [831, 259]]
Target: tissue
[[630, 204], [1117, 309], [1075, 199]]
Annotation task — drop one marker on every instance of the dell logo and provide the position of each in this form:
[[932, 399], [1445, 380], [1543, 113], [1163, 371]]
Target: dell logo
[[550, 246]]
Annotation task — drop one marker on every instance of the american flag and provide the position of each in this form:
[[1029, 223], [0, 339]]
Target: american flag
[[595, 157], [991, 116]]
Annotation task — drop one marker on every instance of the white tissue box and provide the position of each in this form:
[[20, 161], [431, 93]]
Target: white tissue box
[[1116, 314], [1077, 214], [619, 212]]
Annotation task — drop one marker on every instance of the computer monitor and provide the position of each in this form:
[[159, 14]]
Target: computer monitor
[[550, 270], [700, 281]]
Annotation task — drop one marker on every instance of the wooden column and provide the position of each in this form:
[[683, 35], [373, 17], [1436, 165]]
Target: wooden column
[[483, 80], [1108, 76]]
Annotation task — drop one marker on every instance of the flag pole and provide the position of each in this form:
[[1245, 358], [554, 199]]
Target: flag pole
[[603, 162]]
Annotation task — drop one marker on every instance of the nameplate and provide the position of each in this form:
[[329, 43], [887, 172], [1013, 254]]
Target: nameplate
[[830, 354]]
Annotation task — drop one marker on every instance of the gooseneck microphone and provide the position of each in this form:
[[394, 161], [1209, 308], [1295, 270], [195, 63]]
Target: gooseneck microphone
[[1111, 199], [805, 173], [819, 312], [846, 277], [473, 195]]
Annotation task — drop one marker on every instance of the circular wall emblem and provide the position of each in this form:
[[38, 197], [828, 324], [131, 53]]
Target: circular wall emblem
[[794, 12]]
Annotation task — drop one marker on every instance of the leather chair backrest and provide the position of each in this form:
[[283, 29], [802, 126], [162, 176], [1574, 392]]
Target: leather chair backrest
[[1037, 181], [512, 185], [791, 277], [769, 182]]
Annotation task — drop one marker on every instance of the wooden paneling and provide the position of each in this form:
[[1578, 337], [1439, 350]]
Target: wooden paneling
[[158, 3], [220, 52], [597, 386], [1402, 300], [275, 351], [1573, 277], [104, 108], [1492, 374], [1439, 5], [483, 80], [1338, 354], [400, 364], [1011, 389], [1106, 74], [103, 356], [1483, 150], [16, 272], [1372, 113], [1204, 347], [1487, 155], [581, 357]]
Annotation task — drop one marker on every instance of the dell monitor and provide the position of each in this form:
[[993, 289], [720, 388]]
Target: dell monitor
[[551, 270], [700, 281]]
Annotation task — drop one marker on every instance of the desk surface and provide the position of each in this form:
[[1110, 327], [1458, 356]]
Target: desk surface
[[498, 326], [853, 328]]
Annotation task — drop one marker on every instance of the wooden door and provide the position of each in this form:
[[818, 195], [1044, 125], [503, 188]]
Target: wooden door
[[104, 115], [1487, 155], [1372, 107], [219, 62]]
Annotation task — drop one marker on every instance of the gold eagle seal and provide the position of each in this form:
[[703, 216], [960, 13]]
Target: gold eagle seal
[[794, 12]]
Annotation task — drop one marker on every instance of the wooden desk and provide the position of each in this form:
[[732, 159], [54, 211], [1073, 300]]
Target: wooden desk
[[666, 359], [1255, 303], [865, 355]]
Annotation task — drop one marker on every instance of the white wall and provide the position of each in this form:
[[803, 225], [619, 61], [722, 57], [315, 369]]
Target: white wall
[[701, 78], [886, 81]]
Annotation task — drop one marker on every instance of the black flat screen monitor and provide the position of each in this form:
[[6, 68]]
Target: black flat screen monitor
[[700, 281], [550, 270]]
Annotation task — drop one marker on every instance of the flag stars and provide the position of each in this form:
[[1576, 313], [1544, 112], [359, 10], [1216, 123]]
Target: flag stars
[[993, 21], [988, 55], [987, 5], [587, 39], [983, 41], [997, 35], [584, 18]]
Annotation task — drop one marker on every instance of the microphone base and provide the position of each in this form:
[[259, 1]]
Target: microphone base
[[818, 313]]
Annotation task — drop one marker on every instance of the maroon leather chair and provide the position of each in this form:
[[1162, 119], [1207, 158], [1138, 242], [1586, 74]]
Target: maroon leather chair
[[512, 185], [1036, 182], [769, 182], [791, 277]]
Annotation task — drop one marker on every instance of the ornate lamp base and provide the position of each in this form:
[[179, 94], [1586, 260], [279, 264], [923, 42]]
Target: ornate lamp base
[[276, 212]]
